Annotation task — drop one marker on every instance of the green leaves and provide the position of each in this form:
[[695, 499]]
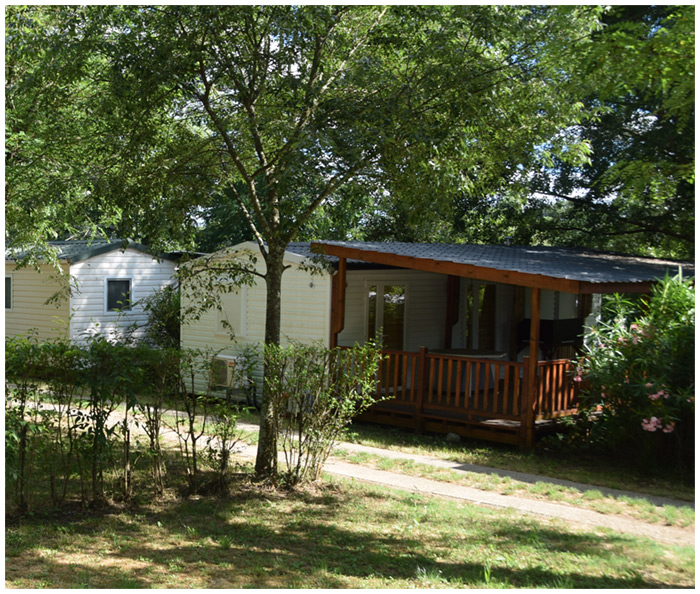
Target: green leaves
[[315, 392], [639, 367], [636, 186]]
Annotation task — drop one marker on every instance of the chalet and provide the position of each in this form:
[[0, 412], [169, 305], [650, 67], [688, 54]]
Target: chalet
[[97, 290], [478, 339]]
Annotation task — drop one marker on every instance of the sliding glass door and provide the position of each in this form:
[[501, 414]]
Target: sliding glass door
[[386, 315]]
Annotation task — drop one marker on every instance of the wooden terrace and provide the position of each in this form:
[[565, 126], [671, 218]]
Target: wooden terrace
[[478, 394], [484, 398]]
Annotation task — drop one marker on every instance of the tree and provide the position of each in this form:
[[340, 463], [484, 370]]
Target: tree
[[637, 190], [81, 160], [287, 109]]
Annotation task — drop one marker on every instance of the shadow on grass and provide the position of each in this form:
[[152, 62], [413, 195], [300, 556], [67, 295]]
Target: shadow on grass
[[325, 539]]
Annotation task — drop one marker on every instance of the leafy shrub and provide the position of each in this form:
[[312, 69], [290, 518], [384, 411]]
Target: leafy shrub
[[163, 309], [638, 370], [23, 366], [315, 392]]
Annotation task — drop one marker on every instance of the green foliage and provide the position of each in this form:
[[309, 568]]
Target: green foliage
[[287, 110], [223, 435], [636, 186], [315, 393], [23, 367], [163, 309], [71, 408], [638, 368]]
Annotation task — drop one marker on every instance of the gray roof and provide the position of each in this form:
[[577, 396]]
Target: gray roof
[[303, 248], [574, 264], [73, 251]]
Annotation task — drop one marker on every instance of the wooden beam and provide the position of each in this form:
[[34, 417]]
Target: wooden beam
[[641, 287], [338, 302], [531, 392]]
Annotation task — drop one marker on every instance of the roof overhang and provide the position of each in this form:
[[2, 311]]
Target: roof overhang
[[473, 271]]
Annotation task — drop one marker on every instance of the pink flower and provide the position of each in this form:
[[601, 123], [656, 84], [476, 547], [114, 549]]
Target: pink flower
[[669, 428], [634, 327], [652, 424], [635, 340], [648, 385], [578, 378], [654, 396], [602, 395]]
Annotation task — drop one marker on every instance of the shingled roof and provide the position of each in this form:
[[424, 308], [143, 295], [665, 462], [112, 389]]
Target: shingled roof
[[572, 270], [73, 251]]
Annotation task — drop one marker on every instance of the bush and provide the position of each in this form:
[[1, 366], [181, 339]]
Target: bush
[[70, 410], [315, 392], [163, 309], [638, 370]]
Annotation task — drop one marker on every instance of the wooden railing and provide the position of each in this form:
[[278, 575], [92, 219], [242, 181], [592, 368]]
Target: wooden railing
[[557, 395], [451, 388]]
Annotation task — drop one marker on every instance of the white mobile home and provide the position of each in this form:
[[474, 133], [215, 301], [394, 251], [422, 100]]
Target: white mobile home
[[457, 322], [97, 291]]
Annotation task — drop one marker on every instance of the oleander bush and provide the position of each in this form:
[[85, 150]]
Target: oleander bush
[[638, 373]]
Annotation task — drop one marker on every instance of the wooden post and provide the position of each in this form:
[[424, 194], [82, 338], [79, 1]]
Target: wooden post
[[338, 302], [420, 396], [451, 308], [528, 417]]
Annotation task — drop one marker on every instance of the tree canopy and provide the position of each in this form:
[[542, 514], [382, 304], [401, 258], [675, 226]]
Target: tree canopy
[[636, 189]]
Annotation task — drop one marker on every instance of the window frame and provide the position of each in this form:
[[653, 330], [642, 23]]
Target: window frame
[[109, 279]]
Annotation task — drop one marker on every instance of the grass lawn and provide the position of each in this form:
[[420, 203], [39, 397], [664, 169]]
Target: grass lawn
[[336, 535], [575, 466]]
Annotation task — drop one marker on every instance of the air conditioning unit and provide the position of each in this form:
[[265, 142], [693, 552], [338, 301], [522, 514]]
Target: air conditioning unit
[[223, 372]]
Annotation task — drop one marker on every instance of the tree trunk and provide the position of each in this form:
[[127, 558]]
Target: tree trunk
[[266, 460]]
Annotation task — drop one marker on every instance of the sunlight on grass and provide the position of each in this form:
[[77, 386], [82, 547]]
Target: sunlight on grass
[[335, 535], [594, 470]]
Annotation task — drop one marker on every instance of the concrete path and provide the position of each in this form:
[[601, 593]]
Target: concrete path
[[579, 517], [513, 474]]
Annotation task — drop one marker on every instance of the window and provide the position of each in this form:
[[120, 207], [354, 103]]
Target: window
[[386, 310], [118, 294], [480, 310], [8, 292]]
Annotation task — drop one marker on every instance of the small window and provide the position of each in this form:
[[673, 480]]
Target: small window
[[8, 292], [118, 294]]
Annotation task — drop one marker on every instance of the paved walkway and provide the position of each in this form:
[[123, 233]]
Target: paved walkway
[[579, 517]]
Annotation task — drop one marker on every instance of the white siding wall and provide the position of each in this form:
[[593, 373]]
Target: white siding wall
[[88, 304], [425, 306], [30, 290], [305, 315]]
